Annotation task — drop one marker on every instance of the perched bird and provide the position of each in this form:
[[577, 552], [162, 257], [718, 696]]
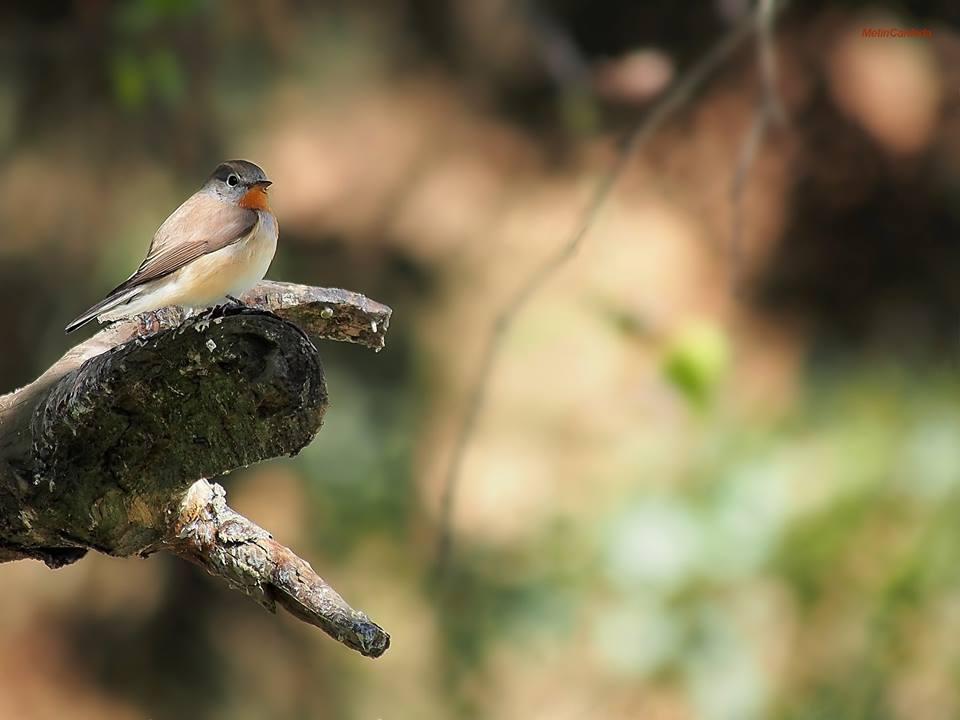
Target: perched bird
[[215, 246]]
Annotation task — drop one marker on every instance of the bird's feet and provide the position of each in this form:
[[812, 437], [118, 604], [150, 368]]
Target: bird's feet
[[230, 307], [148, 324]]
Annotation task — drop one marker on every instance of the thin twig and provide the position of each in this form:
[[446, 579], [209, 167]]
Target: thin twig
[[769, 111], [675, 99]]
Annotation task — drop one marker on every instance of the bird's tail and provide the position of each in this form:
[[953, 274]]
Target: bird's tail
[[103, 306]]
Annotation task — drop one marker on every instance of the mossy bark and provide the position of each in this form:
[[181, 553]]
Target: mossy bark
[[110, 448]]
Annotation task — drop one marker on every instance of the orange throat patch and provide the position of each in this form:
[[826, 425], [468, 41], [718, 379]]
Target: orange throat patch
[[255, 199]]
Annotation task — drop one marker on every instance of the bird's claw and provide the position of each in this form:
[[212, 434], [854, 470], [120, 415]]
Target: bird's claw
[[148, 324]]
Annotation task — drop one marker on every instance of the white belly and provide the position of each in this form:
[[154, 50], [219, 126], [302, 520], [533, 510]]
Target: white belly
[[209, 279]]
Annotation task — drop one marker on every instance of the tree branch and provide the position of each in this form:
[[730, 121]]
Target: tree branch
[[109, 449], [230, 546]]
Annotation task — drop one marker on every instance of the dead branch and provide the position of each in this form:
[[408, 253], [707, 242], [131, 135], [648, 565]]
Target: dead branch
[[230, 546], [109, 448]]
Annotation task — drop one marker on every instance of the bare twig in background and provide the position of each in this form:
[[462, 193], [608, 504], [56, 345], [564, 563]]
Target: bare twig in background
[[109, 449], [682, 91], [769, 111], [561, 57]]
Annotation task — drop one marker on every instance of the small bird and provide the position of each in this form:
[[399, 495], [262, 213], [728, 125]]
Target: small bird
[[215, 246]]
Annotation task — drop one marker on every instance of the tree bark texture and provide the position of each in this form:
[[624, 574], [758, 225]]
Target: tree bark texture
[[110, 449]]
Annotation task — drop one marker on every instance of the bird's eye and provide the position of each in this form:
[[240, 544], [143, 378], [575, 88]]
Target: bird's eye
[[232, 180]]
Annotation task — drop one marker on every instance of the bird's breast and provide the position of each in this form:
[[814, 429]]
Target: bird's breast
[[231, 270], [255, 253]]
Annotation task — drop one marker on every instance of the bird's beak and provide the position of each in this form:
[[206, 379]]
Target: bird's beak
[[256, 197]]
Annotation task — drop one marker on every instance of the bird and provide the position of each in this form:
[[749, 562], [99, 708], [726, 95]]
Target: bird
[[217, 245]]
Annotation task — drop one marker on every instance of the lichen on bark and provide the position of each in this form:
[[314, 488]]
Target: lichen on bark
[[103, 451]]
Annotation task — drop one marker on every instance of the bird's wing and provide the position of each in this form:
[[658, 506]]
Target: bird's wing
[[202, 225]]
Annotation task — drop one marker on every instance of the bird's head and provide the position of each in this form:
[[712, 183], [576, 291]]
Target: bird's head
[[241, 183]]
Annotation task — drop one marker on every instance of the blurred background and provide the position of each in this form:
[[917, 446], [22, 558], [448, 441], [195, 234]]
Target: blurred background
[[716, 471]]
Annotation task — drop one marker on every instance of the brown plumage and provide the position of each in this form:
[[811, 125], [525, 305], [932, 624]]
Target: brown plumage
[[200, 226], [218, 243]]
